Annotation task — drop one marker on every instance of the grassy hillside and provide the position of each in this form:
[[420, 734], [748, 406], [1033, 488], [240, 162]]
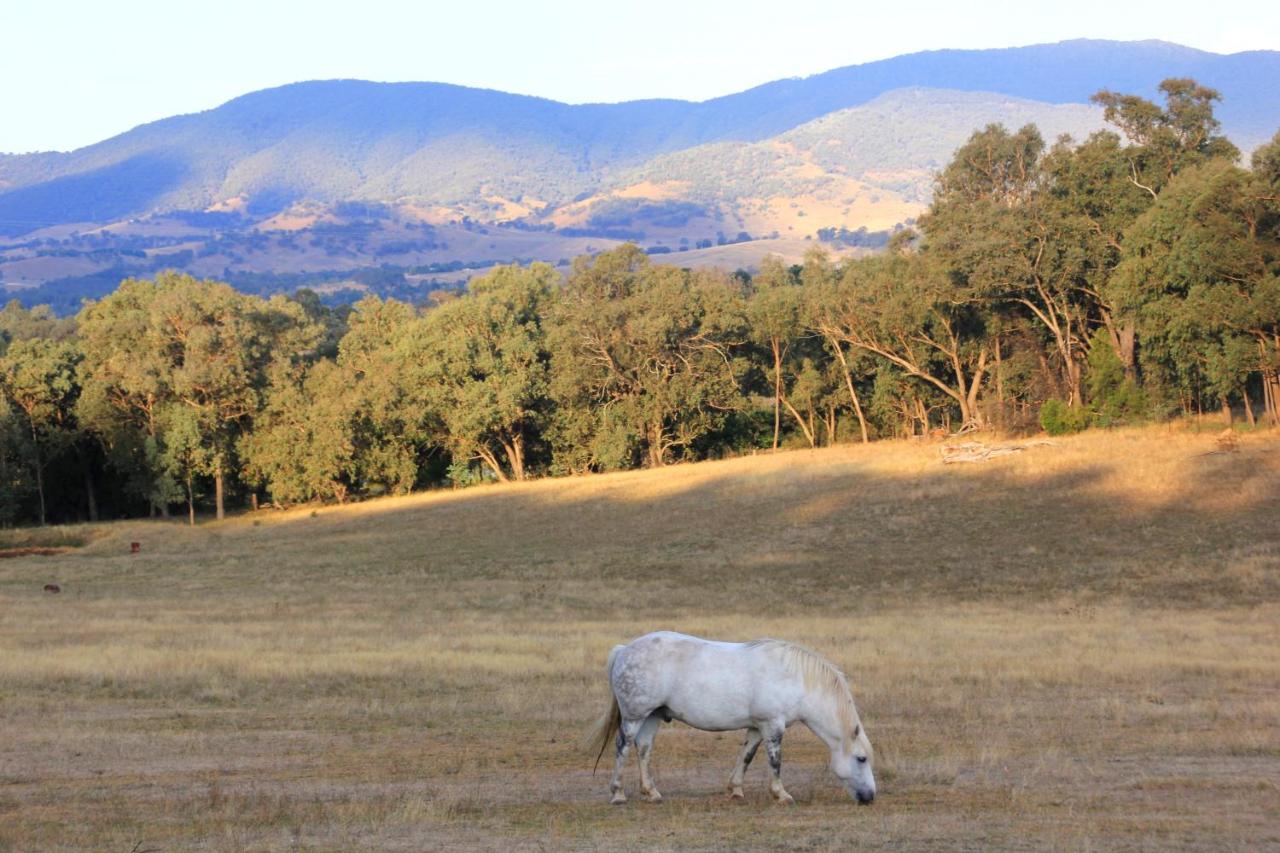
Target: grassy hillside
[[910, 132], [1074, 647], [898, 141], [871, 165]]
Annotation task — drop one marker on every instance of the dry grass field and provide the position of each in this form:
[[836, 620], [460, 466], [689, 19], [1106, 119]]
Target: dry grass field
[[1077, 647]]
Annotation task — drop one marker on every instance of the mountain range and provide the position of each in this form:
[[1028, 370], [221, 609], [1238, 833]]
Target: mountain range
[[856, 146]]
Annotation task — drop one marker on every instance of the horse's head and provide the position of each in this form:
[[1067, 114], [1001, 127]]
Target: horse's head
[[852, 765]]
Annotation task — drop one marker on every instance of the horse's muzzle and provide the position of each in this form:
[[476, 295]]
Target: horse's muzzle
[[865, 798]]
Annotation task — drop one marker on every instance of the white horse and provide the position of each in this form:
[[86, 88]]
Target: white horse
[[762, 686]]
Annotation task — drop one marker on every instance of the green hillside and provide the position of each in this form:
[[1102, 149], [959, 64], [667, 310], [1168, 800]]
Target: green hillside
[[895, 142]]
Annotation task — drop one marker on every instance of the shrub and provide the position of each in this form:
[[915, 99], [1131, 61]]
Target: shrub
[[1114, 397], [1057, 418]]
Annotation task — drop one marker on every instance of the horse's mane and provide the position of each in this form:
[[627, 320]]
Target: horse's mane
[[820, 676]]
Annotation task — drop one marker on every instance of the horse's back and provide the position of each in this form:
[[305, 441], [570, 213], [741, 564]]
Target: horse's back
[[708, 684]]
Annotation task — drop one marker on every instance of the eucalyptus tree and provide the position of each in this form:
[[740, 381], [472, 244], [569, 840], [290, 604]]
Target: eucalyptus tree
[[355, 425], [199, 345], [644, 360], [125, 388], [184, 454], [1088, 187], [819, 277], [18, 323], [15, 470], [483, 366], [38, 379], [775, 315], [1007, 241], [304, 442], [815, 397], [905, 310], [1182, 133], [1109, 181], [1201, 272], [392, 427]]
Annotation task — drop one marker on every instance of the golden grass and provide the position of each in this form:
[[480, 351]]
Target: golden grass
[[1071, 648]]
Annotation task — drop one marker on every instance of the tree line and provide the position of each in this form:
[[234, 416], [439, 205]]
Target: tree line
[[1123, 278]]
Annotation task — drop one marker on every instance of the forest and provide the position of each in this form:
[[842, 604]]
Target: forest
[[1129, 277]]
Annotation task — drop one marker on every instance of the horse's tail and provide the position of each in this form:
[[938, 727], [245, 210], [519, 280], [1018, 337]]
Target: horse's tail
[[609, 723]]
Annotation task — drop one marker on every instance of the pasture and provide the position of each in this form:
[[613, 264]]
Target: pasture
[[1075, 647]]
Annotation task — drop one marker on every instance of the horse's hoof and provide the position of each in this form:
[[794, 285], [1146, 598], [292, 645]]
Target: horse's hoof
[[784, 799], [653, 797], [736, 794], [618, 799]]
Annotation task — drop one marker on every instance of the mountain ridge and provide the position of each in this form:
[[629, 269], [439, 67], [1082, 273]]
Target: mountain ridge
[[571, 138]]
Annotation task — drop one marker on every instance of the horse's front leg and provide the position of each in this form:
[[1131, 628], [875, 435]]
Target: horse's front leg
[[749, 747], [773, 748]]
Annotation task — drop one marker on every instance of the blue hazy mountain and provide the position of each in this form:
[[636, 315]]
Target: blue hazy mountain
[[442, 144]]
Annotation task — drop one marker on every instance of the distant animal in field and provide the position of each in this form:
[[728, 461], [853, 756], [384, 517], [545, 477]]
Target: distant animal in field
[[762, 686], [52, 587]]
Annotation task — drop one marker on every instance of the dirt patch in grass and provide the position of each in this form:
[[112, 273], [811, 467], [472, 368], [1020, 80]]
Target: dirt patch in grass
[[7, 553]]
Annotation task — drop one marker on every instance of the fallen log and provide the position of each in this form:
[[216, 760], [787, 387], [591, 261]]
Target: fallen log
[[976, 451]]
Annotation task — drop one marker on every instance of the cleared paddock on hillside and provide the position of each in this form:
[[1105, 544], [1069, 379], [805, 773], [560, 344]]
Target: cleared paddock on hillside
[[1077, 646]]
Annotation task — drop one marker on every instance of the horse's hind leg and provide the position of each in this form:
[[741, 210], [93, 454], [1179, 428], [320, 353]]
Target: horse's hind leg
[[749, 747], [644, 746], [773, 748], [622, 745]]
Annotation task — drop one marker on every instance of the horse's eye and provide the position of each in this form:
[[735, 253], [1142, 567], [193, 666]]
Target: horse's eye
[[862, 759], [856, 729]]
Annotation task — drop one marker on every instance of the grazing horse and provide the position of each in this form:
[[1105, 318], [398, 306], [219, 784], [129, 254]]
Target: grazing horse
[[762, 686]]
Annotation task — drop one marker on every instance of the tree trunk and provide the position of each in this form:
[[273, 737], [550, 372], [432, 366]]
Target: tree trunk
[[853, 394], [487, 457], [515, 455], [1274, 378], [90, 498], [1048, 373], [1124, 339], [191, 502], [657, 453], [999, 374], [40, 486], [1266, 396], [1248, 406], [777, 393], [1227, 417], [220, 511], [1075, 393], [39, 466], [806, 428], [857, 410], [1128, 350]]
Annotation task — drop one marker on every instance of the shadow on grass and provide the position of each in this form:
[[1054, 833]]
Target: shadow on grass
[[837, 536]]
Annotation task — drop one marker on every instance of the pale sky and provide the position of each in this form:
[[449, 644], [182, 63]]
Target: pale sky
[[73, 73]]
